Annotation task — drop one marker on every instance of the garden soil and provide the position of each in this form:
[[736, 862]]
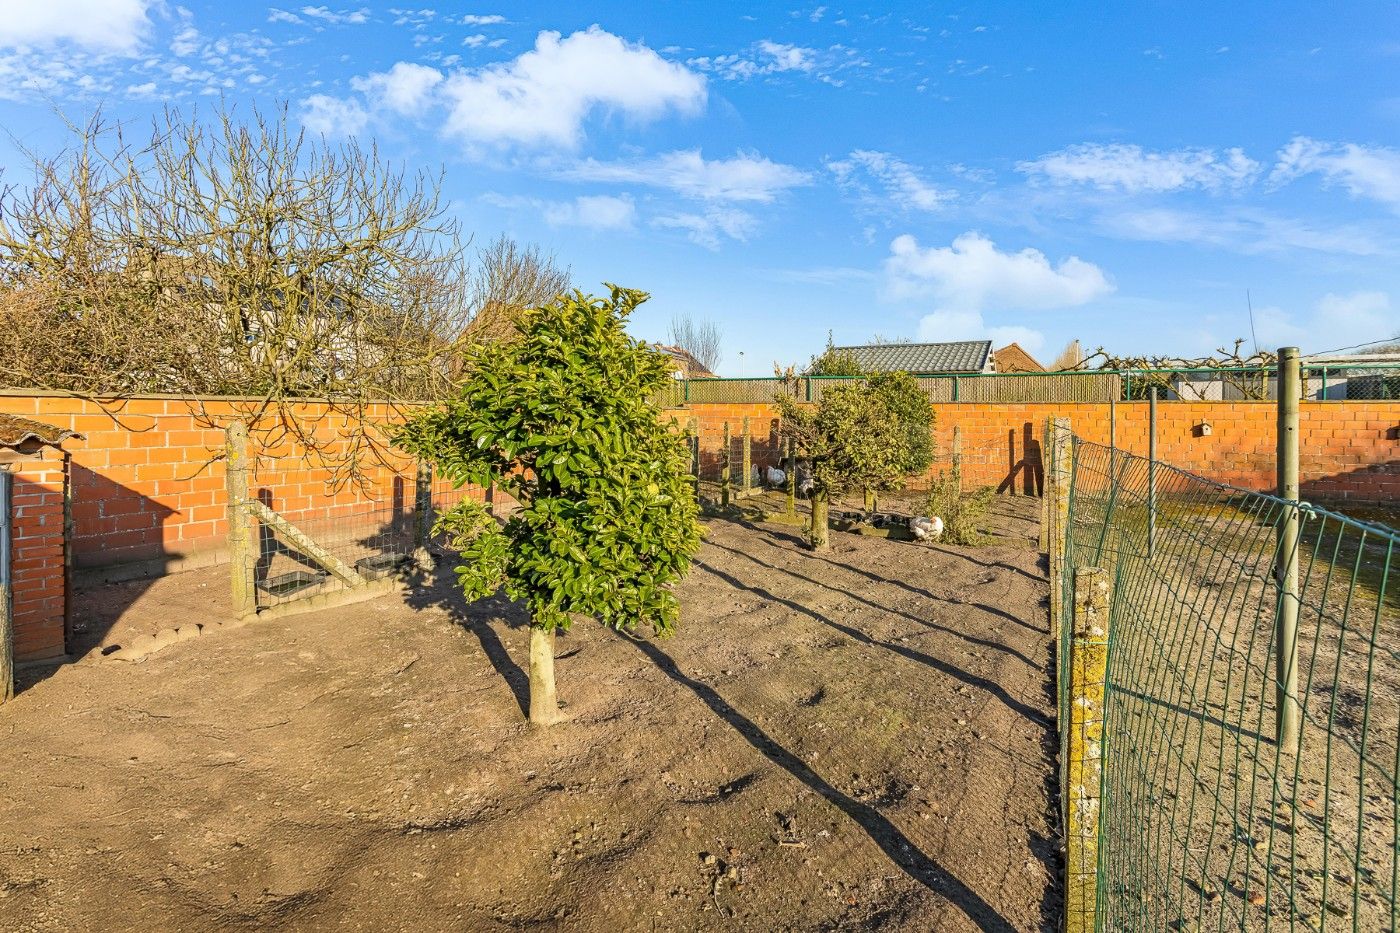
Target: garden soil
[[855, 740]]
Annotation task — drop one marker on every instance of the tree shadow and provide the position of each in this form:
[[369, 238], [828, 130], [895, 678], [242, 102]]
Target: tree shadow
[[1030, 713], [441, 592], [896, 846], [773, 534], [926, 623]]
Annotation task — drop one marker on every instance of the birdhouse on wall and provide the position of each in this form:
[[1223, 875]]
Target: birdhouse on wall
[[34, 493]]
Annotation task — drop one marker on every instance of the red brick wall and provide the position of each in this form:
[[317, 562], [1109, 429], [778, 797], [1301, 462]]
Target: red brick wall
[[148, 482], [38, 574], [1350, 451]]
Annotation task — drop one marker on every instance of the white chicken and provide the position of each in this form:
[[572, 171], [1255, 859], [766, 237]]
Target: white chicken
[[926, 529], [776, 477]]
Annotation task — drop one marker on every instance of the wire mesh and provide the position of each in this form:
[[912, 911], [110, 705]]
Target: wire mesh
[[1206, 822], [1354, 382], [329, 541]]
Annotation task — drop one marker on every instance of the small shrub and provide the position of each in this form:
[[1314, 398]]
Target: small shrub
[[962, 511]]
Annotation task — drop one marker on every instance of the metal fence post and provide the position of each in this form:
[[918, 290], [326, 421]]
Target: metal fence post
[[724, 468], [1288, 711], [746, 484], [241, 533], [1093, 600]]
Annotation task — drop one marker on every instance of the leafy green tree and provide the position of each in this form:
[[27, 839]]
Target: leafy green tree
[[834, 361], [908, 404], [852, 441], [559, 419]]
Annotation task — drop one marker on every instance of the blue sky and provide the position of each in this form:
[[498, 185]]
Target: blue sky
[[1118, 175]]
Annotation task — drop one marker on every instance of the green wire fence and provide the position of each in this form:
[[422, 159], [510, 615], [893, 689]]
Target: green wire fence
[[1204, 821], [1332, 382]]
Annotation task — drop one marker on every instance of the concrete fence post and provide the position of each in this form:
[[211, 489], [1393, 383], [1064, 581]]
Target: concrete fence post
[[692, 430], [242, 535], [1093, 601], [423, 515], [1062, 449]]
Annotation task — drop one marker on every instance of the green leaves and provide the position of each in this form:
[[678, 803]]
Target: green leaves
[[862, 434], [559, 418]]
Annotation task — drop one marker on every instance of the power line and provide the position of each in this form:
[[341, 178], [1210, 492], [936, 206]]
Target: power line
[[1357, 346]]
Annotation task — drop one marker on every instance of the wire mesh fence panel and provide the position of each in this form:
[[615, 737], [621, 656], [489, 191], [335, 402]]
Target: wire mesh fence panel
[[1207, 823]]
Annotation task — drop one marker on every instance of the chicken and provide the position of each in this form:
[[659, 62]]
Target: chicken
[[926, 529]]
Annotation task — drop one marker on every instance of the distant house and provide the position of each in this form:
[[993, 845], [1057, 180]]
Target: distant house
[[1013, 358], [686, 366], [923, 359]]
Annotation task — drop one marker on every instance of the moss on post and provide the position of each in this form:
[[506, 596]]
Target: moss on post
[[1093, 597]]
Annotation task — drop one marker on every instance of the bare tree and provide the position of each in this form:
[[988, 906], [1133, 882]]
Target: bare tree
[[702, 340], [506, 280], [234, 257]]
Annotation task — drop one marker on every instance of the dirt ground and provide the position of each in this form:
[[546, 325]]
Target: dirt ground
[[859, 740]]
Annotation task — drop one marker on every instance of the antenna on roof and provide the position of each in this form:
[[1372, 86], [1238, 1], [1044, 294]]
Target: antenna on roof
[[1248, 301]]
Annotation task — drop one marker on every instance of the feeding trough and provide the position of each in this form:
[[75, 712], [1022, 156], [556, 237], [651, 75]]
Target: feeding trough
[[289, 584], [379, 566]]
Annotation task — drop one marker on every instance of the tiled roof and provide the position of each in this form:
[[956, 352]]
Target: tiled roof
[[16, 431], [965, 356], [694, 369], [1013, 358]]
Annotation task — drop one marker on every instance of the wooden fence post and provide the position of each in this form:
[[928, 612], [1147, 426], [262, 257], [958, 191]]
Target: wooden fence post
[[423, 516], [1047, 469], [724, 468], [747, 483], [242, 536], [1093, 601], [791, 478]]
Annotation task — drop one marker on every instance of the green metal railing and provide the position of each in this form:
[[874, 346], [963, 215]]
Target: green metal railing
[[1204, 822], [1360, 381]]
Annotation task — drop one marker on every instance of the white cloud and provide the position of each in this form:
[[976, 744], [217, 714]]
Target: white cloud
[[275, 15], [596, 212], [1135, 170], [973, 275], [108, 25], [1249, 232], [543, 96], [1365, 171], [331, 116], [337, 17], [491, 19], [709, 228], [1334, 321], [141, 90], [901, 182], [764, 57], [404, 88], [186, 42], [945, 325], [746, 177]]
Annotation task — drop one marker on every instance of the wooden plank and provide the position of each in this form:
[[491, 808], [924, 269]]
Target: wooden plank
[[303, 541]]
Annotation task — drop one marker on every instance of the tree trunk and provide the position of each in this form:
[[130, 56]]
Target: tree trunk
[[819, 536], [544, 704], [870, 500]]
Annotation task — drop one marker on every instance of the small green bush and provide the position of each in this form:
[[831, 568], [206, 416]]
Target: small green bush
[[962, 511]]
